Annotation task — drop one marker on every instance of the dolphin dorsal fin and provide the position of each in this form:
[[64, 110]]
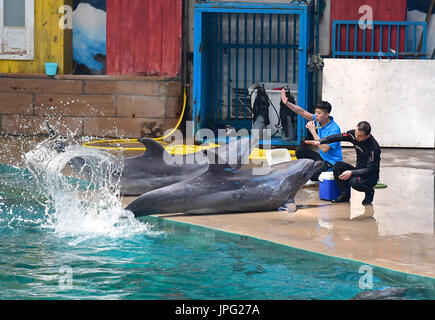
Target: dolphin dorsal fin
[[232, 155], [153, 148]]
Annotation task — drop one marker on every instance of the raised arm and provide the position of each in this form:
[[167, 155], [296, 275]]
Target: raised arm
[[300, 111], [346, 136]]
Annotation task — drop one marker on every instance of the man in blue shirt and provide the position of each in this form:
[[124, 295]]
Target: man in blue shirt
[[325, 126]]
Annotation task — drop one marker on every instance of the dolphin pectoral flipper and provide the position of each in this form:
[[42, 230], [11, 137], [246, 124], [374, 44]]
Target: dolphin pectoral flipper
[[290, 205], [153, 148]]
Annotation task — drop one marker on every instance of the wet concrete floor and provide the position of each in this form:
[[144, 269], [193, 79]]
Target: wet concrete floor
[[396, 232]]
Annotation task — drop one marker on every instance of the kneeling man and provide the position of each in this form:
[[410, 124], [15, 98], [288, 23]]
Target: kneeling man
[[365, 175]]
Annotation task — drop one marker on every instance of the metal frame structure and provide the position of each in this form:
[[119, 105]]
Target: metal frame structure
[[376, 33], [214, 19]]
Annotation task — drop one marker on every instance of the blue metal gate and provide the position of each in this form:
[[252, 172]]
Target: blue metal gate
[[237, 45]]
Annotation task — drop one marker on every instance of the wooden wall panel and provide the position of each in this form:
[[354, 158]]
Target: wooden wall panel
[[144, 37], [52, 44]]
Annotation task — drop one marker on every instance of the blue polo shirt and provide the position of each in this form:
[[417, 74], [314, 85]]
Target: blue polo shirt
[[334, 154]]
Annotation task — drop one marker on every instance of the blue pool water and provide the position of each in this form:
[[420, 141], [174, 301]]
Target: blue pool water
[[54, 250]]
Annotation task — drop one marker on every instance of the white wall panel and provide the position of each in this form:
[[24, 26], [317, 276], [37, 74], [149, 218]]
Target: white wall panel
[[397, 97]]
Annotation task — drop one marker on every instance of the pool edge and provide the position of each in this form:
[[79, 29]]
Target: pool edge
[[426, 277]]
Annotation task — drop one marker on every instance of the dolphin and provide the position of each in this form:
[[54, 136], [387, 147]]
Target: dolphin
[[382, 294], [224, 188], [154, 169]]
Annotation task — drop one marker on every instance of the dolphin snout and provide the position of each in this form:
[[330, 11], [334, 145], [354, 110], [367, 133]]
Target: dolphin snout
[[311, 167], [317, 165], [308, 167]]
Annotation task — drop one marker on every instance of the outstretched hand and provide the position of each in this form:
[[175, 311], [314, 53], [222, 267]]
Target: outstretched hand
[[313, 142]]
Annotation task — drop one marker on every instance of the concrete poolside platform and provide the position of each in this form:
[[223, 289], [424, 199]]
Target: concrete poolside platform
[[397, 232]]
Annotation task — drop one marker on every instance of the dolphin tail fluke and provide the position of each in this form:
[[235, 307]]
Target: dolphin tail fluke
[[137, 212], [149, 203]]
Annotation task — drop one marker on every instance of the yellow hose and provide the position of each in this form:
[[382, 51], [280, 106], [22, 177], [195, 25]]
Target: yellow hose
[[179, 149], [89, 144], [257, 154], [179, 120]]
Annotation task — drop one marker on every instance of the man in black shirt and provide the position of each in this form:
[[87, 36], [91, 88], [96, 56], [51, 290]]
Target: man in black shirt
[[365, 175]]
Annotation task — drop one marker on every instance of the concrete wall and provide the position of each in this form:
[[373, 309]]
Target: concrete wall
[[118, 106], [395, 96]]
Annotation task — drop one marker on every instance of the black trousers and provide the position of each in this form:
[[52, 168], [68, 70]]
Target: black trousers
[[359, 183], [303, 152]]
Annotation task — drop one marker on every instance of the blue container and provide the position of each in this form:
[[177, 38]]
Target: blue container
[[50, 68], [328, 189]]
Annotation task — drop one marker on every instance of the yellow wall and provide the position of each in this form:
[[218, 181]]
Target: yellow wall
[[52, 44]]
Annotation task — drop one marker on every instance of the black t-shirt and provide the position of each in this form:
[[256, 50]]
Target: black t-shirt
[[368, 153]]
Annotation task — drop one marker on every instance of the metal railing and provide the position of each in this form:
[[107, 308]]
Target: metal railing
[[250, 48], [379, 39]]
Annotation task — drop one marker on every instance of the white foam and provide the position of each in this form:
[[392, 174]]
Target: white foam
[[82, 210]]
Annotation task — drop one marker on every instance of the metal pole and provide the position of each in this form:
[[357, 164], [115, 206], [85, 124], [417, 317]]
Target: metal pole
[[317, 35]]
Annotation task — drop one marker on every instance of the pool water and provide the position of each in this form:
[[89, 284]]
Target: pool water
[[50, 251]]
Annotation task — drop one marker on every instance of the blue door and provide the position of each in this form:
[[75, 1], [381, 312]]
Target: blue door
[[237, 45]]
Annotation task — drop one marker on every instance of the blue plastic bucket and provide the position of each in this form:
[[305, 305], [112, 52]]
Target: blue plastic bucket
[[328, 189], [50, 68]]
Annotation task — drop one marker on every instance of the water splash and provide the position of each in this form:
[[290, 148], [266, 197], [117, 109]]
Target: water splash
[[85, 205]]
